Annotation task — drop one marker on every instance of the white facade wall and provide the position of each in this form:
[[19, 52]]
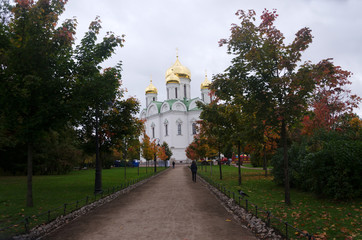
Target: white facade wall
[[171, 116]]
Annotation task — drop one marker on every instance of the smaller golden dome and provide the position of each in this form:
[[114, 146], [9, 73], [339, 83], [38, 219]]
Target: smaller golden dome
[[206, 83], [151, 88], [172, 78]]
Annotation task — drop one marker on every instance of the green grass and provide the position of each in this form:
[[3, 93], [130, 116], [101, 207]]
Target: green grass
[[50, 192], [325, 218]]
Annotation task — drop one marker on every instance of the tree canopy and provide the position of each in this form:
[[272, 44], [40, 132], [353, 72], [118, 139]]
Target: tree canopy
[[268, 79], [48, 84]]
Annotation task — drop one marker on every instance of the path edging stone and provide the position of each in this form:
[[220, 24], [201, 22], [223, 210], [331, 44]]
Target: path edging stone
[[41, 231], [248, 220]]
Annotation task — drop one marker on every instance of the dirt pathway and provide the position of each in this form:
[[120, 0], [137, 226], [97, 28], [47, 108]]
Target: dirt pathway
[[170, 206]]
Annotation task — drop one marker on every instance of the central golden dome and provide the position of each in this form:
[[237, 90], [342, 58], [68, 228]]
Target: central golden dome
[[179, 70], [172, 78]]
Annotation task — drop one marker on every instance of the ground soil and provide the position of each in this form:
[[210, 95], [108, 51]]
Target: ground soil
[[169, 206]]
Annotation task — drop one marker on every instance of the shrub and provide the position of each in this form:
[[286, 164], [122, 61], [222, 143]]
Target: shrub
[[327, 165]]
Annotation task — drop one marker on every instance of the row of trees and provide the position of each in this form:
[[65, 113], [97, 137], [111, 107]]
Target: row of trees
[[57, 104], [268, 98], [152, 150]]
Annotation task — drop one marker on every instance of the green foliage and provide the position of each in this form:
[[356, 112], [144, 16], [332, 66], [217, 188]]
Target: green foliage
[[329, 164], [256, 157], [167, 150], [57, 153]]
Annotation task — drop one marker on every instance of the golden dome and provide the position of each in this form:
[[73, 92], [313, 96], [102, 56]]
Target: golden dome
[[206, 83], [172, 78], [151, 88], [179, 70]]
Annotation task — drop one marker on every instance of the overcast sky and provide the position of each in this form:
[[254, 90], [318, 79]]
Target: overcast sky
[[155, 28]]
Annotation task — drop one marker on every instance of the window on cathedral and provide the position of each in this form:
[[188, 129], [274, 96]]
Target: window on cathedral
[[153, 132], [175, 92], [168, 94], [202, 96], [185, 91], [179, 129], [166, 129], [193, 128], [154, 99]]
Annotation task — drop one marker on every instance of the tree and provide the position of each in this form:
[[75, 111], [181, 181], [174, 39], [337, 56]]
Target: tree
[[45, 84], [35, 69], [161, 154], [331, 100], [215, 125], [167, 150], [266, 77], [98, 90], [147, 149]]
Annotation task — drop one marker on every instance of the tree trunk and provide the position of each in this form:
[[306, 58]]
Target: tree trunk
[[286, 167], [239, 162], [220, 164], [29, 194], [98, 176], [125, 169], [265, 166]]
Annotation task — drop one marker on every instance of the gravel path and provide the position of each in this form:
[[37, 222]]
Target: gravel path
[[169, 206]]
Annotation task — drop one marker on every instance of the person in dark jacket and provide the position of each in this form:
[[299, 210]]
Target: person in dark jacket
[[193, 170]]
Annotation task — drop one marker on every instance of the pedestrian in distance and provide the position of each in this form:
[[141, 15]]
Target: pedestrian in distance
[[173, 164], [193, 170]]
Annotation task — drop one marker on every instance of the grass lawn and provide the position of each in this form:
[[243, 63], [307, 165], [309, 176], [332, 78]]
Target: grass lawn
[[325, 218], [50, 192]]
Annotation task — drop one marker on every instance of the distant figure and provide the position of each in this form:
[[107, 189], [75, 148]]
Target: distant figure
[[173, 164], [193, 170]]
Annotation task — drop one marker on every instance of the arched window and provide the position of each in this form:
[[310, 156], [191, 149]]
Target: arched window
[[168, 94], [179, 129], [202, 96], [153, 132], [166, 129], [185, 91], [175, 92], [193, 128], [154, 99]]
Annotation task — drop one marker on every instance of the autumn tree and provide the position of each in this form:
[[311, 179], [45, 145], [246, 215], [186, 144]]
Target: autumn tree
[[36, 83], [332, 100], [147, 149], [161, 154], [214, 126], [167, 150], [265, 76]]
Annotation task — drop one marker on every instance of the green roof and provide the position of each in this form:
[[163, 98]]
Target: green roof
[[170, 102]]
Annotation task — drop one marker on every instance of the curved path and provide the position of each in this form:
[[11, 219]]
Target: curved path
[[169, 206]]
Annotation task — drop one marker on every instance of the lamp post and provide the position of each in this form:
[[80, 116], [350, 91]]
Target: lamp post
[[98, 174], [158, 144]]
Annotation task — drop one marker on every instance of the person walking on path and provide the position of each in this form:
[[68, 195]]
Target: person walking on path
[[193, 170], [173, 164]]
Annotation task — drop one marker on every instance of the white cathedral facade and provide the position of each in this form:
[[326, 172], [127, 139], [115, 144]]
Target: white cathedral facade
[[174, 120]]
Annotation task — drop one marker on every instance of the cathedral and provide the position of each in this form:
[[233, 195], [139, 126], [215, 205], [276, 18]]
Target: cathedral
[[174, 120]]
